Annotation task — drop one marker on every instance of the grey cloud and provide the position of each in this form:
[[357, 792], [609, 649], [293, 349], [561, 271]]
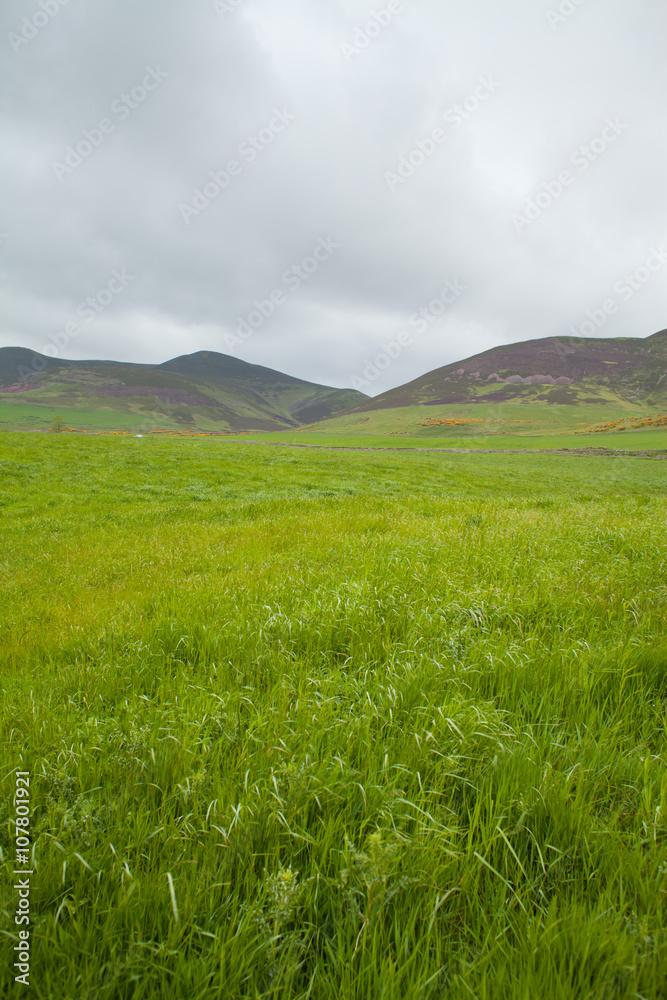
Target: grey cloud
[[325, 174]]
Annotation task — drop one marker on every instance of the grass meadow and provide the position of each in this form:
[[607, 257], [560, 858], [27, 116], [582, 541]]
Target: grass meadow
[[649, 440], [334, 724]]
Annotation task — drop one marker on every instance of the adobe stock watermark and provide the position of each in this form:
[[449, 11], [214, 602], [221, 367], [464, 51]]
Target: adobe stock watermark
[[454, 117], [565, 9], [292, 279], [376, 24], [22, 871], [122, 108], [225, 7], [582, 158], [625, 288], [87, 311], [248, 150], [420, 320], [31, 26]]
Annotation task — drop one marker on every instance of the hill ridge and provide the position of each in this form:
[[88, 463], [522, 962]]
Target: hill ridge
[[548, 369], [204, 390]]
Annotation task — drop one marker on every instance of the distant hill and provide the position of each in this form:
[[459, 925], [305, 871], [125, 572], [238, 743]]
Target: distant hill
[[205, 390], [210, 391], [563, 370]]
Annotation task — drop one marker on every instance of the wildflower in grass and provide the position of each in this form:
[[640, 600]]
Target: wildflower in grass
[[278, 900], [283, 891], [366, 882], [280, 895]]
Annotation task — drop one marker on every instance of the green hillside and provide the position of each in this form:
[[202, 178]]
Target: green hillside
[[569, 371], [510, 425], [541, 388], [205, 391]]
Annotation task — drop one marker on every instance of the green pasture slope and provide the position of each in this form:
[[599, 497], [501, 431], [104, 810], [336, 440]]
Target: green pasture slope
[[523, 419], [334, 724], [39, 418], [508, 426]]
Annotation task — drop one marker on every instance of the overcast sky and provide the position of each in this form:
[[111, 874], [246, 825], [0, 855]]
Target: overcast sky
[[499, 166]]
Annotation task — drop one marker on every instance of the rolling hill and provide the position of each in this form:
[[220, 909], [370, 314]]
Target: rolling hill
[[201, 391], [561, 370], [542, 388]]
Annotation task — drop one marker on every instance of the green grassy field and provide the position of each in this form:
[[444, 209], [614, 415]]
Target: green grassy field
[[527, 419], [639, 440], [34, 417], [334, 724], [484, 426]]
